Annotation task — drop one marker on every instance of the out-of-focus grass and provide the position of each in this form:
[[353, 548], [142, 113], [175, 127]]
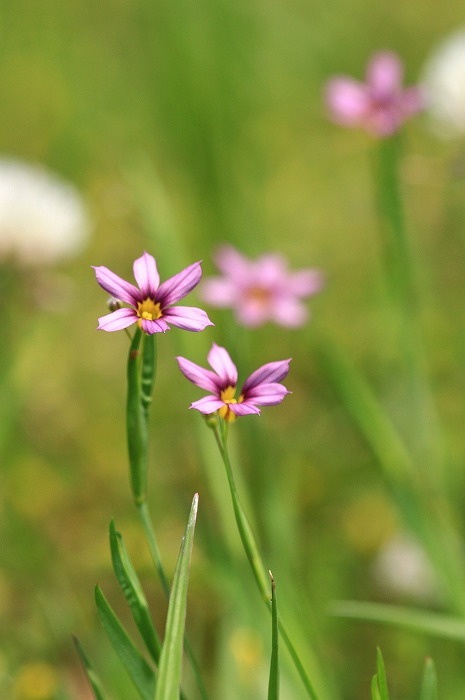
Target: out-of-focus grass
[[224, 99]]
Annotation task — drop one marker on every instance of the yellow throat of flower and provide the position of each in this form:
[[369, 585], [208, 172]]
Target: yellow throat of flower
[[228, 396], [148, 310]]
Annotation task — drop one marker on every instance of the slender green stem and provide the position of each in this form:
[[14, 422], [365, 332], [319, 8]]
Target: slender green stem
[[245, 531], [253, 555], [146, 520]]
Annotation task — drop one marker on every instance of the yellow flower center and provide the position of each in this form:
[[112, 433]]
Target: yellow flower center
[[228, 396], [259, 295], [148, 310]]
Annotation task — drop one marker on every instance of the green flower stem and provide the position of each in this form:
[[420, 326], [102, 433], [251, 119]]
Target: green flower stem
[[397, 252], [253, 555], [404, 293], [146, 521], [136, 423], [141, 373], [245, 531]]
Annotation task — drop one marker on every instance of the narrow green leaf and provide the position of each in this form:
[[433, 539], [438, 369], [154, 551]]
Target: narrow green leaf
[[136, 423], [132, 589], [429, 688], [375, 688], [311, 692], [169, 670], [94, 680], [382, 680], [273, 684], [137, 667], [423, 621]]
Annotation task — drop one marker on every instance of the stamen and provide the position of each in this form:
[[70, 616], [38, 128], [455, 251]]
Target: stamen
[[227, 395], [149, 310]]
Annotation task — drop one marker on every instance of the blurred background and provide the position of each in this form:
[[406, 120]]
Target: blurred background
[[173, 127]]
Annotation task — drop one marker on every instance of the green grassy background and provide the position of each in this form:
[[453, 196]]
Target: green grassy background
[[186, 124]]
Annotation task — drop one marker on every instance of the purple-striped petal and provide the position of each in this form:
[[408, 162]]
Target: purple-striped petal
[[208, 404], [244, 409], [269, 373], [178, 286], [266, 394], [146, 275], [116, 286], [221, 363], [117, 320], [151, 327], [189, 318], [203, 378]]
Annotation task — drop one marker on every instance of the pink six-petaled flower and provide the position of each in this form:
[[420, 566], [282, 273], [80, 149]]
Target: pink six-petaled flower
[[262, 388], [381, 104], [151, 302], [260, 290]]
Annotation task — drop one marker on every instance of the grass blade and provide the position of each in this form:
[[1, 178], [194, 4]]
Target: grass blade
[[429, 687], [94, 680], [375, 688], [423, 621], [381, 673], [132, 590], [137, 667], [169, 671], [273, 684]]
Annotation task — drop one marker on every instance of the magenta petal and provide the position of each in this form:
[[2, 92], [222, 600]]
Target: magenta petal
[[220, 361], [347, 100], [253, 313], [219, 291], [290, 312], [146, 275], [203, 378], [244, 409], [267, 394], [412, 101], [384, 75], [116, 286], [151, 327], [231, 263], [304, 283], [189, 318], [271, 372], [208, 404], [117, 320], [176, 287]]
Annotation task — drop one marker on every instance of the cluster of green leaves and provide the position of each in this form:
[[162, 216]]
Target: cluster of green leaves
[[160, 677], [379, 685]]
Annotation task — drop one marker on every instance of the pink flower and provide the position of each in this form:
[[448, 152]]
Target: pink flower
[[260, 290], [151, 302], [380, 105], [260, 389]]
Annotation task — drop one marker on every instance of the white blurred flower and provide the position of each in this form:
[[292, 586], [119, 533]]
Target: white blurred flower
[[402, 568], [443, 83], [42, 217]]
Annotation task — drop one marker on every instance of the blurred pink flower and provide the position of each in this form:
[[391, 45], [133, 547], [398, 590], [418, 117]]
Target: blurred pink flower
[[262, 388], [380, 105], [151, 302], [260, 290]]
